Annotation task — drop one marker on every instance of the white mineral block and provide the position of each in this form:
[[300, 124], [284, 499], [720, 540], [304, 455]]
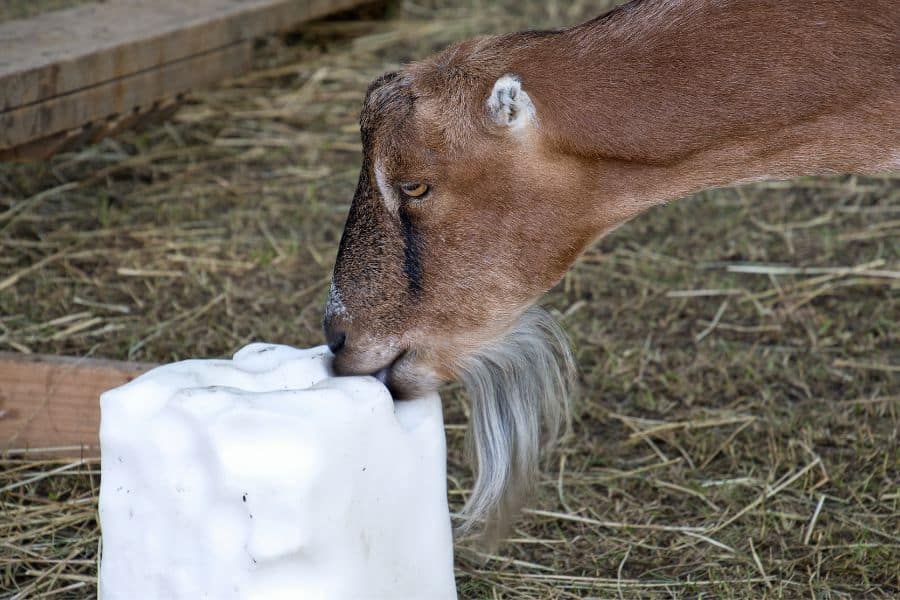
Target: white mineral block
[[264, 477]]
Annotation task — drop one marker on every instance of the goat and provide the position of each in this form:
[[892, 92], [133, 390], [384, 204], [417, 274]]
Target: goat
[[488, 168]]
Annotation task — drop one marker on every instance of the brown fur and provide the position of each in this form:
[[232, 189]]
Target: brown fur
[[657, 99]]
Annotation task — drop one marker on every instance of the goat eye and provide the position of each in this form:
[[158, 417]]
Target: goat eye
[[414, 190]]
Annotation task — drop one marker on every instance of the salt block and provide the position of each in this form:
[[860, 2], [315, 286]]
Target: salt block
[[264, 477]]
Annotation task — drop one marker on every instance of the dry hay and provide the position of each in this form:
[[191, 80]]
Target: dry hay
[[736, 433]]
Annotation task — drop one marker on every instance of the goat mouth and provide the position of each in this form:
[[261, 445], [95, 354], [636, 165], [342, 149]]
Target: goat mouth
[[386, 373], [382, 375], [406, 378]]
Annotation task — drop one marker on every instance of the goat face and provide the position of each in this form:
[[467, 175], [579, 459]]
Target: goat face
[[460, 221]]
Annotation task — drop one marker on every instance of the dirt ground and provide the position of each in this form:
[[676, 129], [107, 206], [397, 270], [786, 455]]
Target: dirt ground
[[736, 429]]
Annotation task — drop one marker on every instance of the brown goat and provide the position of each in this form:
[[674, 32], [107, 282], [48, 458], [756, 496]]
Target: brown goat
[[488, 168]]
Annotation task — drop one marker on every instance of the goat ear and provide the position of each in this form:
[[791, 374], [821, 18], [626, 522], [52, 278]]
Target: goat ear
[[509, 105]]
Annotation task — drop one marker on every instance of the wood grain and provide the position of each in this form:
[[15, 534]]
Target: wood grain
[[121, 96], [54, 402], [115, 46]]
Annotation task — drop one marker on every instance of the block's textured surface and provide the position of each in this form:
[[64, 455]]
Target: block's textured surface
[[264, 477]]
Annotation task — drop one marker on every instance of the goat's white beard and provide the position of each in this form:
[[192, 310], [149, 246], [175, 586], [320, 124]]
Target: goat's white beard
[[518, 386]]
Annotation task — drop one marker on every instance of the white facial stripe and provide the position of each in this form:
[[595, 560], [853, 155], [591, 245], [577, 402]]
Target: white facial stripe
[[509, 105], [387, 193]]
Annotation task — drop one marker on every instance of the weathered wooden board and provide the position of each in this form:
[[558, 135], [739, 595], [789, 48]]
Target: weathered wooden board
[[52, 62], [45, 147], [121, 95], [53, 402]]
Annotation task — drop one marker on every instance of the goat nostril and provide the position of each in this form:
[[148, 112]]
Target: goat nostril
[[336, 339], [335, 333]]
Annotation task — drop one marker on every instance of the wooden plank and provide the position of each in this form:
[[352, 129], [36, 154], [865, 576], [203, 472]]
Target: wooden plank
[[122, 95], [67, 52], [53, 401], [45, 147]]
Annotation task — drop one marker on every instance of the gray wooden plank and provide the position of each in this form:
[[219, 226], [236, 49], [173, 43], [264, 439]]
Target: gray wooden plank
[[65, 51], [121, 96]]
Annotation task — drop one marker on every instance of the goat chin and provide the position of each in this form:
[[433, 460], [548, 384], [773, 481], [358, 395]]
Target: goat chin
[[518, 388]]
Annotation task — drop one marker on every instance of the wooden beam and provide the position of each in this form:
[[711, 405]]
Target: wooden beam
[[53, 401], [45, 147], [121, 95], [53, 66]]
